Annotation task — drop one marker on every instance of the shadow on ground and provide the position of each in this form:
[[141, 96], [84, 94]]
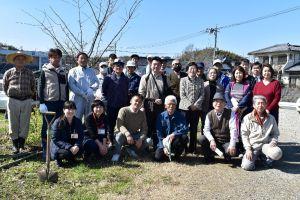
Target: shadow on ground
[[290, 162]]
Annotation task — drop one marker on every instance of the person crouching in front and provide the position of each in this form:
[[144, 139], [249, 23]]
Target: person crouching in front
[[171, 131], [220, 134], [95, 139], [66, 143], [260, 133]]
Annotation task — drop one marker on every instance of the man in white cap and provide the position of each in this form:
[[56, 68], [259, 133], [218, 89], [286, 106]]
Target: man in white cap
[[115, 92], [259, 135], [19, 86], [134, 79], [171, 131]]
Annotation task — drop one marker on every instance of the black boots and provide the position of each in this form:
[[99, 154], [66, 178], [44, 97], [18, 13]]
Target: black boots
[[21, 144], [18, 145], [15, 147]]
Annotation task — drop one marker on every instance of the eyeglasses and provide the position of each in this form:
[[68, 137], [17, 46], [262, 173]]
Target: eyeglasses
[[177, 64]]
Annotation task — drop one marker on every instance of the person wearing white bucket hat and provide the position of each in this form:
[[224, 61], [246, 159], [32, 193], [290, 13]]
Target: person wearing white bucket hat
[[259, 133]]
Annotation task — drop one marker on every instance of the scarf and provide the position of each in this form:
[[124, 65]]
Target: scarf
[[258, 118]]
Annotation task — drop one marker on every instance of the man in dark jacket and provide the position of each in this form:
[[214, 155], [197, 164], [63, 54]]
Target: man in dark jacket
[[134, 79], [115, 92], [174, 78]]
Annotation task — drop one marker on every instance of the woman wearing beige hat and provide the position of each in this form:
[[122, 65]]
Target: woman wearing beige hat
[[19, 86]]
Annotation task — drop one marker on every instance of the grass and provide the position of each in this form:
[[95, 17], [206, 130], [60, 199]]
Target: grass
[[101, 181], [34, 136], [79, 182]]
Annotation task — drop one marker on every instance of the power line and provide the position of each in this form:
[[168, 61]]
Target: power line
[[262, 18], [197, 34], [171, 41], [137, 52]]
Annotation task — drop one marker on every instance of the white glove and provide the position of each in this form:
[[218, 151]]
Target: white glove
[[43, 108]]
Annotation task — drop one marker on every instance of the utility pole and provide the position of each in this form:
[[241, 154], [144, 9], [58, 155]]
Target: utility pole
[[215, 32]]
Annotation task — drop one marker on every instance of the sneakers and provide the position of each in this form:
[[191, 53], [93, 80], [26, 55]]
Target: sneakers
[[115, 158], [269, 163]]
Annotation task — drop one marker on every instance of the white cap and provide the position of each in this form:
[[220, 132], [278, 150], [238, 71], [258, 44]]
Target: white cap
[[103, 63], [149, 56], [130, 63], [217, 61]]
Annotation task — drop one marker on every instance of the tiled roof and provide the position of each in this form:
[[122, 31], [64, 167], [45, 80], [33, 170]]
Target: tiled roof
[[293, 68], [276, 48]]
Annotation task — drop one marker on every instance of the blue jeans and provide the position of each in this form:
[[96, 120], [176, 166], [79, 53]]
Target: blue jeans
[[121, 140]]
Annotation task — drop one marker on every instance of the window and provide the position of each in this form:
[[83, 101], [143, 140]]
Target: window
[[282, 59], [265, 59]]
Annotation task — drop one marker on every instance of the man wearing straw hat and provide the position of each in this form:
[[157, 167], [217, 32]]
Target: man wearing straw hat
[[260, 135], [19, 86]]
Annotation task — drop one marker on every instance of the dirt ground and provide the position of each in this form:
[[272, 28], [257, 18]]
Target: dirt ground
[[188, 179], [194, 180]]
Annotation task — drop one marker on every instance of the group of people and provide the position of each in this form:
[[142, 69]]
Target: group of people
[[159, 108]]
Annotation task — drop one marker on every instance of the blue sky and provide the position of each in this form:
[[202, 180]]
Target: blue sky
[[162, 20]]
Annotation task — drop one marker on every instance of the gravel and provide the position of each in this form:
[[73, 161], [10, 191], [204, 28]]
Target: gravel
[[192, 179]]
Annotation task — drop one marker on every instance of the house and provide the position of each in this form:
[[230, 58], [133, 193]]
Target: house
[[285, 59]]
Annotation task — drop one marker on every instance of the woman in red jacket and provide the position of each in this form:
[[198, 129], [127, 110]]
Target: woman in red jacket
[[271, 89]]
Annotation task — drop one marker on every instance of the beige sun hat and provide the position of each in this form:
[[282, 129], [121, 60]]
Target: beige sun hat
[[11, 57]]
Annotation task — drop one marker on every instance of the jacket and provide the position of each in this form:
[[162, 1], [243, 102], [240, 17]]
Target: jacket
[[191, 93], [207, 101], [53, 84], [91, 126], [174, 82], [223, 79], [166, 125], [134, 82], [254, 135], [115, 91], [80, 79], [64, 135]]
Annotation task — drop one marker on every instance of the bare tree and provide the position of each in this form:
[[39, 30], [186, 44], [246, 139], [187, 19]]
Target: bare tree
[[96, 13]]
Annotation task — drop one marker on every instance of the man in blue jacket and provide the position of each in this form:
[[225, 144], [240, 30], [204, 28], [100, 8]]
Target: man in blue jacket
[[133, 78], [115, 93], [171, 131], [222, 79]]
